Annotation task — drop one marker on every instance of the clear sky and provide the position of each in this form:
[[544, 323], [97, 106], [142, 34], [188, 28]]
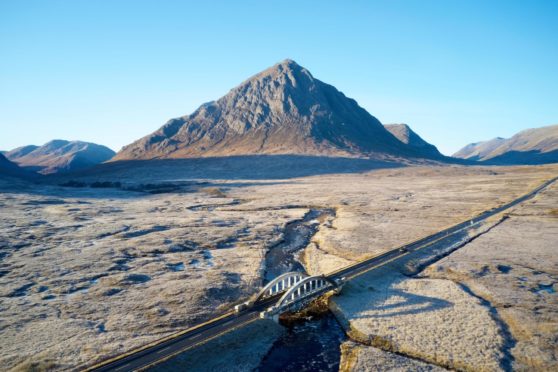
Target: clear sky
[[113, 71]]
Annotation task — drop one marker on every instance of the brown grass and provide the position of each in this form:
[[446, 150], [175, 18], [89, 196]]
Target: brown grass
[[214, 191], [349, 357], [35, 366]]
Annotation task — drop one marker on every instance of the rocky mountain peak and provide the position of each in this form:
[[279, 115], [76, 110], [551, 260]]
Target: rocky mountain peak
[[283, 109], [288, 70]]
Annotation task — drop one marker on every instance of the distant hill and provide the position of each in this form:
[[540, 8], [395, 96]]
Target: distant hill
[[20, 151], [531, 146], [479, 150], [406, 135], [8, 168], [59, 156], [281, 110]]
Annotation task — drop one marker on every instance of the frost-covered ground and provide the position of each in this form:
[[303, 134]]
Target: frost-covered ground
[[514, 270], [491, 305], [87, 273]]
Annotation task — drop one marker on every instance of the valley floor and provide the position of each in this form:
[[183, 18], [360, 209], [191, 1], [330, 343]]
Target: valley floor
[[490, 305], [87, 273]]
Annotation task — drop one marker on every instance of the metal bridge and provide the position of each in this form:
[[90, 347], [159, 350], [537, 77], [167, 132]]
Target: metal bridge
[[293, 291]]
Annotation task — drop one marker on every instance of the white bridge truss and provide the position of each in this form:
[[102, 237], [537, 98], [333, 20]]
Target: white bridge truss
[[296, 288], [280, 284], [306, 288]]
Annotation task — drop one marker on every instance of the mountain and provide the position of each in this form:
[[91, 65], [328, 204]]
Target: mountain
[[20, 151], [479, 150], [282, 110], [59, 156], [406, 135], [531, 146], [8, 168]]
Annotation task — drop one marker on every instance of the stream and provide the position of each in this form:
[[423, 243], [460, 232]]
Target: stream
[[312, 344], [283, 257]]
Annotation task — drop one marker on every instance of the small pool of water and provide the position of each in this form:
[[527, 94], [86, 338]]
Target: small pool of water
[[73, 292], [545, 288], [208, 258], [176, 266]]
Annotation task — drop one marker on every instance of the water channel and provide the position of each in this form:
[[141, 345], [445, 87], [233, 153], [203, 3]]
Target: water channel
[[312, 343]]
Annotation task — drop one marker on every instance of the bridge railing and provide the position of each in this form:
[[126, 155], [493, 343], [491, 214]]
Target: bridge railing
[[276, 286], [303, 291]]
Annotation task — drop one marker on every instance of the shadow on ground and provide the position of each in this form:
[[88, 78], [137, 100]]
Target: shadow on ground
[[249, 167], [382, 283], [407, 304], [135, 178]]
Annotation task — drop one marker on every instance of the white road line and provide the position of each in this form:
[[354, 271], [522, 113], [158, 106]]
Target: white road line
[[160, 351], [227, 322], [124, 366]]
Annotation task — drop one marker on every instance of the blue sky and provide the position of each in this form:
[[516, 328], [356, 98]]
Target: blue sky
[[113, 71]]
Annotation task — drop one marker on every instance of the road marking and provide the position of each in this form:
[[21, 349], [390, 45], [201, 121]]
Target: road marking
[[157, 342], [358, 273], [160, 351], [424, 245], [122, 367], [167, 357]]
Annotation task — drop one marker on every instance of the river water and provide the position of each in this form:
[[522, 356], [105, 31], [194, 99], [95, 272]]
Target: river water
[[283, 257], [311, 344]]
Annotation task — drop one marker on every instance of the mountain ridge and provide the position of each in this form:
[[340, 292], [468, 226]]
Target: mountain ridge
[[59, 156], [9, 168], [281, 110], [529, 146]]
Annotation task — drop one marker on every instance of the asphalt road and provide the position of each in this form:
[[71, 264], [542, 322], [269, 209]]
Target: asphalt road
[[186, 340], [194, 336]]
